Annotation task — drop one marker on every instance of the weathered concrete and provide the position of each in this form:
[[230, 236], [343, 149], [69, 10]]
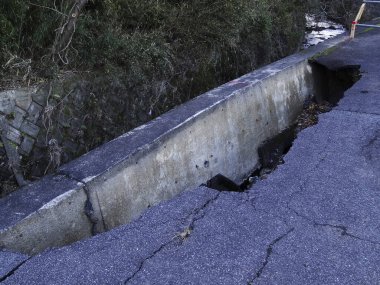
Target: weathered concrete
[[46, 214], [218, 132], [312, 221]]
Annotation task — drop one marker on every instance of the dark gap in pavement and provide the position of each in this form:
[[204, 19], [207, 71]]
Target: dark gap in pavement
[[330, 85], [332, 82], [222, 183]]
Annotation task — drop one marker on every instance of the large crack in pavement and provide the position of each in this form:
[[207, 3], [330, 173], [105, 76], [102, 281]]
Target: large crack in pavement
[[197, 214]]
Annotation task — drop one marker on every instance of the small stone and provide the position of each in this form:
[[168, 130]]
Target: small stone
[[27, 145], [13, 135], [18, 117], [265, 172], [253, 179], [30, 129], [23, 99], [41, 95], [6, 102], [34, 112]]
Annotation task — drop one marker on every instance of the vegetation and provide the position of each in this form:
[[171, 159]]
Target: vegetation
[[160, 42], [133, 59]]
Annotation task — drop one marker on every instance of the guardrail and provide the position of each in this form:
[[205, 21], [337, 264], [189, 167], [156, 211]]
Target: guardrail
[[355, 23]]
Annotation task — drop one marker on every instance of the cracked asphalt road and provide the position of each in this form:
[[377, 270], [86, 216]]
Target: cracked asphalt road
[[315, 220]]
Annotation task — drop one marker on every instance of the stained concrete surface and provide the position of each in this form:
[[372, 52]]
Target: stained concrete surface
[[315, 220]]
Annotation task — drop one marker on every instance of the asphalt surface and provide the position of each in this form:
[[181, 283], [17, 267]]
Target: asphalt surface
[[10, 261], [315, 220]]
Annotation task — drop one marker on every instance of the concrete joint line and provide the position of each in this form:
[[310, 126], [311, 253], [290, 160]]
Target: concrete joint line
[[91, 207], [90, 212]]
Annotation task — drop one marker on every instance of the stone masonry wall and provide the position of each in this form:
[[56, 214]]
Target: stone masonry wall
[[20, 111]]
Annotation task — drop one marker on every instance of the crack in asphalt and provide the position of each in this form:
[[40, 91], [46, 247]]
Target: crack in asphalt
[[344, 232], [13, 271], [342, 228], [250, 199], [269, 252], [246, 197], [302, 186], [142, 263], [304, 181], [196, 217], [372, 145], [199, 210]]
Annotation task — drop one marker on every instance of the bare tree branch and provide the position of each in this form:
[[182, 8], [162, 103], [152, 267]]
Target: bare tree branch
[[49, 8], [66, 31]]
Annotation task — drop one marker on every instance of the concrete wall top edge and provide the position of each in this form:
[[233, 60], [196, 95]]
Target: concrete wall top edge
[[29, 199], [101, 159]]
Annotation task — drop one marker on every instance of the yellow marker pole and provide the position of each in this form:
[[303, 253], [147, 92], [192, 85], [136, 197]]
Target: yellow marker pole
[[355, 22]]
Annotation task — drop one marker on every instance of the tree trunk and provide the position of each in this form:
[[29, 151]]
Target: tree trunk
[[67, 31]]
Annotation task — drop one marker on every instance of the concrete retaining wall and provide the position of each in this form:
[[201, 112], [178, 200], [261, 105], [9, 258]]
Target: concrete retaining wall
[[221, 138], [218, 132]]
